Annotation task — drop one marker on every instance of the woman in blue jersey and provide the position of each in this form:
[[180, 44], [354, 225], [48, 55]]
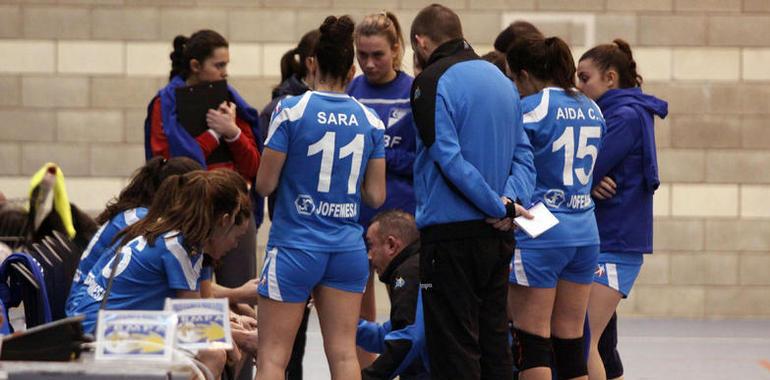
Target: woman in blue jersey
[[162, 254], [551, 275], [296, 78], [625, 178], [126, 209], [324, 154], [385, 88]]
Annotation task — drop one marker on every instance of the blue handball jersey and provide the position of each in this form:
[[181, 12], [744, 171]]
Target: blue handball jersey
[[391, 103], [565, 132], [99, 243], [328, 139], [145, 276]]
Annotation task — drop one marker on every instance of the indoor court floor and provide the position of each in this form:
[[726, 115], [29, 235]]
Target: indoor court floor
[[656, 349]]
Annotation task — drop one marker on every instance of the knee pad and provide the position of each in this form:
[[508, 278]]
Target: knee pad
[[530, 351], [569, 356]]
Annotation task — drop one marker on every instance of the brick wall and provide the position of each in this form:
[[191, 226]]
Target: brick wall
[[76, 75]]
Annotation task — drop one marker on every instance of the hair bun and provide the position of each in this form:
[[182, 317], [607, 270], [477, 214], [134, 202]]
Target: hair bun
[[177, 55], [624, 47], [179, 42], [337, 30]]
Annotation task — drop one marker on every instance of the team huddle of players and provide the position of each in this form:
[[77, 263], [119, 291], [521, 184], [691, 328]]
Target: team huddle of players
[[463, 147]]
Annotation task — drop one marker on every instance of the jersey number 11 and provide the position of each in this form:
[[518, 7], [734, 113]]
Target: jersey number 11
[[325, 146]]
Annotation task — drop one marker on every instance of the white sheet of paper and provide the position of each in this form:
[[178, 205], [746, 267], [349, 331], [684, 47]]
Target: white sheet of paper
[[543, 221]]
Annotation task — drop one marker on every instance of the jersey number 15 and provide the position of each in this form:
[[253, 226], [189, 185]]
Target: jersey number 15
[[567, 141]]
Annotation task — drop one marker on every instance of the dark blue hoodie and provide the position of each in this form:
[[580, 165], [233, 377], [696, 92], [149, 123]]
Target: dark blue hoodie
[[391, 102], [292, 86], [628, 156]]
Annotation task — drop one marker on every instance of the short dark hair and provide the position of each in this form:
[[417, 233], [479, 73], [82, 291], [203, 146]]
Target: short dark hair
[[438, 23], [518, 30], [397, 223]]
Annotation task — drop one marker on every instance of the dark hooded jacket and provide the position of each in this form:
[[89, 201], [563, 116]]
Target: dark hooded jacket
[[290, 87], [628, 156]]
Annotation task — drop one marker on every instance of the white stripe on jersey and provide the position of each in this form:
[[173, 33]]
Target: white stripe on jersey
[[541, 111], [372, 117], [126, 252], [93, 241], [383, 101], [125, 259], [290, 114], [191, 273], [273, 290], [597, 107], [612, 276], [332, 94], [130, 217], [518, 269]]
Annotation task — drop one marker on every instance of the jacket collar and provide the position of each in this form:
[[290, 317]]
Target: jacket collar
[[409, 251], [450, 48]]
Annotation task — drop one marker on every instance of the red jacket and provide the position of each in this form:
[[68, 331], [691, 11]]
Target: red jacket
[[245, 156]]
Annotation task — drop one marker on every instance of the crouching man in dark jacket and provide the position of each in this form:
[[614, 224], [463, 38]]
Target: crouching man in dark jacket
[[394, 246]]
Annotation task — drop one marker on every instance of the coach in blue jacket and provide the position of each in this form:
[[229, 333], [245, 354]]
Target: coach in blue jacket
[[468, 120]]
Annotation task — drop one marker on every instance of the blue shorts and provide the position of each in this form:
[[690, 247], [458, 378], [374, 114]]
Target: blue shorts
[[544, 267], [291, 274], [619, 270]]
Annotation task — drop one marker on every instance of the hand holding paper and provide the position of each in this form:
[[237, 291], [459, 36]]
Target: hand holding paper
[[512, 209], [543, 221]]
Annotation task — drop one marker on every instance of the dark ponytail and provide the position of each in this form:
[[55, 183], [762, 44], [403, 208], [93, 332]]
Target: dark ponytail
[[199, 46], [334, 51], [618, 56], [177, 57], [289, 65], [293, 61], [547, 59], [145, 183]]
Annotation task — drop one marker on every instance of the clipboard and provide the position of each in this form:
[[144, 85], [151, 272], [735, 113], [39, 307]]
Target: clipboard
[[192, 104]]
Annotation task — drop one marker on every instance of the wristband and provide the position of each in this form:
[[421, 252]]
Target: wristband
[[510, 210]]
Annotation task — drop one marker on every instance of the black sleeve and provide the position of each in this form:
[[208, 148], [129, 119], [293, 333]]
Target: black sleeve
[[423, 102], [264, 120], [403, 301]]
